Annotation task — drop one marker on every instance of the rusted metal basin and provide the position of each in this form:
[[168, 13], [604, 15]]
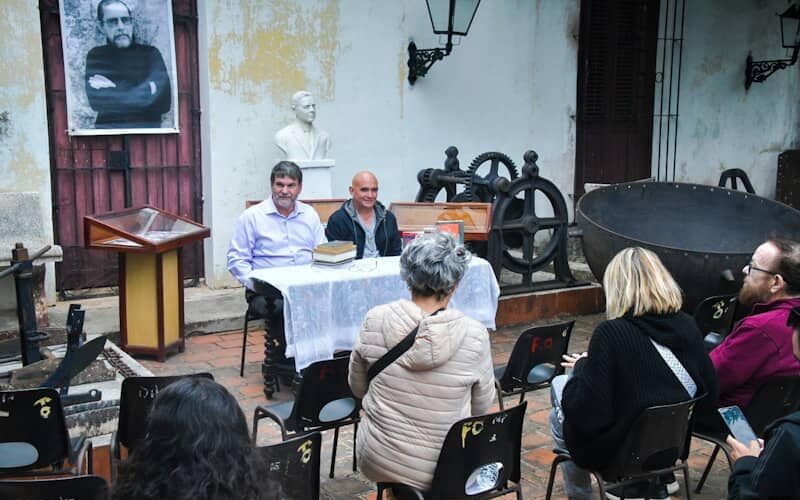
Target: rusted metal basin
[[703, 234]]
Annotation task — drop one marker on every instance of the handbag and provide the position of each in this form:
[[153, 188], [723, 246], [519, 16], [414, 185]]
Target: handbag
[[395, 352]]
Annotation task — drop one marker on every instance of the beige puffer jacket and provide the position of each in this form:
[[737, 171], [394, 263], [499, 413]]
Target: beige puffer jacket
[[447, 375]]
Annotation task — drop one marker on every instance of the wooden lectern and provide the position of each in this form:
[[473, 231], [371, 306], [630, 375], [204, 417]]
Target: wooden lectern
[[149, 243]]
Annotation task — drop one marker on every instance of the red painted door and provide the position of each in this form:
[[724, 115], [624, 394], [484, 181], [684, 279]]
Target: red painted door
[[164, 170]]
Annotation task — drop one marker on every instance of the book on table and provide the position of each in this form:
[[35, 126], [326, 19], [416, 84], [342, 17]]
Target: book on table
[[335, 252]]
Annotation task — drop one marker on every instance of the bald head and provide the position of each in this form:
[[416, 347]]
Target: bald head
[[364, 191]]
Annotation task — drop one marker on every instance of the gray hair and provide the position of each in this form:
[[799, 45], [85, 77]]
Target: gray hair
[[433, 264], [286, 169]]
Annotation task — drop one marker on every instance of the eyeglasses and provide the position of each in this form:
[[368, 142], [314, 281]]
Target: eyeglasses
[[116, 21], [751, 267]]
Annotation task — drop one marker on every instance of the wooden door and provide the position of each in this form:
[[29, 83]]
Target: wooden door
[[89, 173], [616, 75]]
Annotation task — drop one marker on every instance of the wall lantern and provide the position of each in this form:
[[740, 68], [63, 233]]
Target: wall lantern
[[448, 17], [758, 71]]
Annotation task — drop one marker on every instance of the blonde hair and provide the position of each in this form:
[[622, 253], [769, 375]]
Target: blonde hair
[[636, 283]]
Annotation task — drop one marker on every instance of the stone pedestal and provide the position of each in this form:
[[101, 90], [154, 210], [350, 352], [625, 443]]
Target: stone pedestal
[[21, 221], [317, 179]]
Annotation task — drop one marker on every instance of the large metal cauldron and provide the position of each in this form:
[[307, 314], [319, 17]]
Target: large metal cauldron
[[699, 231]]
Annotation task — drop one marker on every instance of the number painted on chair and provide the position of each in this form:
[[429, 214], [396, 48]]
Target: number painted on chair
[[548, 343], [145, 392], [305, 451], [45, 409], [475, 427], [719, 309]]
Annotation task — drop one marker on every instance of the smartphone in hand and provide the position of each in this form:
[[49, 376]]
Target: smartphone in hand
[[737, 424]]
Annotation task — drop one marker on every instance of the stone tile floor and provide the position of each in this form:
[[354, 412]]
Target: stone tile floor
[[220, 355]]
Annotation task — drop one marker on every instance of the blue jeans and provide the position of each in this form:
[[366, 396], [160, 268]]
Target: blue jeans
[[577, 482]]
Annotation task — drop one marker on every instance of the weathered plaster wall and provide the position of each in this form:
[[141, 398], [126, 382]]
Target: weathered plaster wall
[[508, 87], [24, 150], [721, 126]]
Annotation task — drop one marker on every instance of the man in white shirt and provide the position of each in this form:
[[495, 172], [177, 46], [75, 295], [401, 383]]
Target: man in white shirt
[[279, 231]]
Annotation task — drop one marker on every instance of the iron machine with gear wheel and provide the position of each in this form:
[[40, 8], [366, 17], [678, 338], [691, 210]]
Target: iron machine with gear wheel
[[526, 236]]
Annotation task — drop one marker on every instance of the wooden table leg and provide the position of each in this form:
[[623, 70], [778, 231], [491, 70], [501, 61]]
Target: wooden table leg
[[268, 367]]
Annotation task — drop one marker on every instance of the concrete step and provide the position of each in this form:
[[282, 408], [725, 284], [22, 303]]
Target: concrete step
[[205, 311]]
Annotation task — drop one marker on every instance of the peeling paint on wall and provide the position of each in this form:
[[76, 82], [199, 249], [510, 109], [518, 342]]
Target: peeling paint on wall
[[20, 170], [19, 46], [266, 49], [19, 164], [23, 115]]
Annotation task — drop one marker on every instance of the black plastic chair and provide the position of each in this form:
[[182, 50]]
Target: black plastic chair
[[77, 488], [534, 361], [715, 317], [292, 467], [324, 401], [479, 459], [249, 316], [136, 399], [776, 398], [33, 435], [655, 445]]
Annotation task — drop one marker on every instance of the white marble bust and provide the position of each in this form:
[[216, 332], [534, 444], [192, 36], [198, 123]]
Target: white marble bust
[[301, 140]]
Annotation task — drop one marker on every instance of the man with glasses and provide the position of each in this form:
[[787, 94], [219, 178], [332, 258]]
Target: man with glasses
[[760, 346], [126, 82]]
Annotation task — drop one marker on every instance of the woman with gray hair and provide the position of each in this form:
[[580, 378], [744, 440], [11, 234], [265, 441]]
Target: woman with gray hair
[[445, 375]]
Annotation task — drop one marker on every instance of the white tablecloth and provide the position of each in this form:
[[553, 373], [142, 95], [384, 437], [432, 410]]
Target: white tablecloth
[[323, 307]]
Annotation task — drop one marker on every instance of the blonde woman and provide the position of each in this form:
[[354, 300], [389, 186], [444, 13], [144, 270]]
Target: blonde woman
[[626, 369]]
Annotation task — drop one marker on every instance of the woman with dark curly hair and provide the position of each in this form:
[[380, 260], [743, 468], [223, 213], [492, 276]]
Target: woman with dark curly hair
[[196, 446]]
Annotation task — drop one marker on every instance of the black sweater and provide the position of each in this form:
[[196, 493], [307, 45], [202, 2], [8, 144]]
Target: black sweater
[[624, 374], [132, 103]]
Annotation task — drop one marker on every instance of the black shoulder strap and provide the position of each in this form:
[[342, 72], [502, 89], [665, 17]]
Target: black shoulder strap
[[394, 353]]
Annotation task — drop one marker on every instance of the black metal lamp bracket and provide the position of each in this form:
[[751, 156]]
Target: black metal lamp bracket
[[758, 71], [421, 60]]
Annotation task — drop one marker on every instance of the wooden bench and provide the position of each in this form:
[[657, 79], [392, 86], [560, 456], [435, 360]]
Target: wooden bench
[[415, 217]]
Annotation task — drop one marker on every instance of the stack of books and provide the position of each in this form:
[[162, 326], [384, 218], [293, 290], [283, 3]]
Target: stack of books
[[334, 253]]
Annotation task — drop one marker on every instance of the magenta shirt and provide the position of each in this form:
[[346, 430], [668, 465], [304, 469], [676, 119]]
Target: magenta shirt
[[758, 347]]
